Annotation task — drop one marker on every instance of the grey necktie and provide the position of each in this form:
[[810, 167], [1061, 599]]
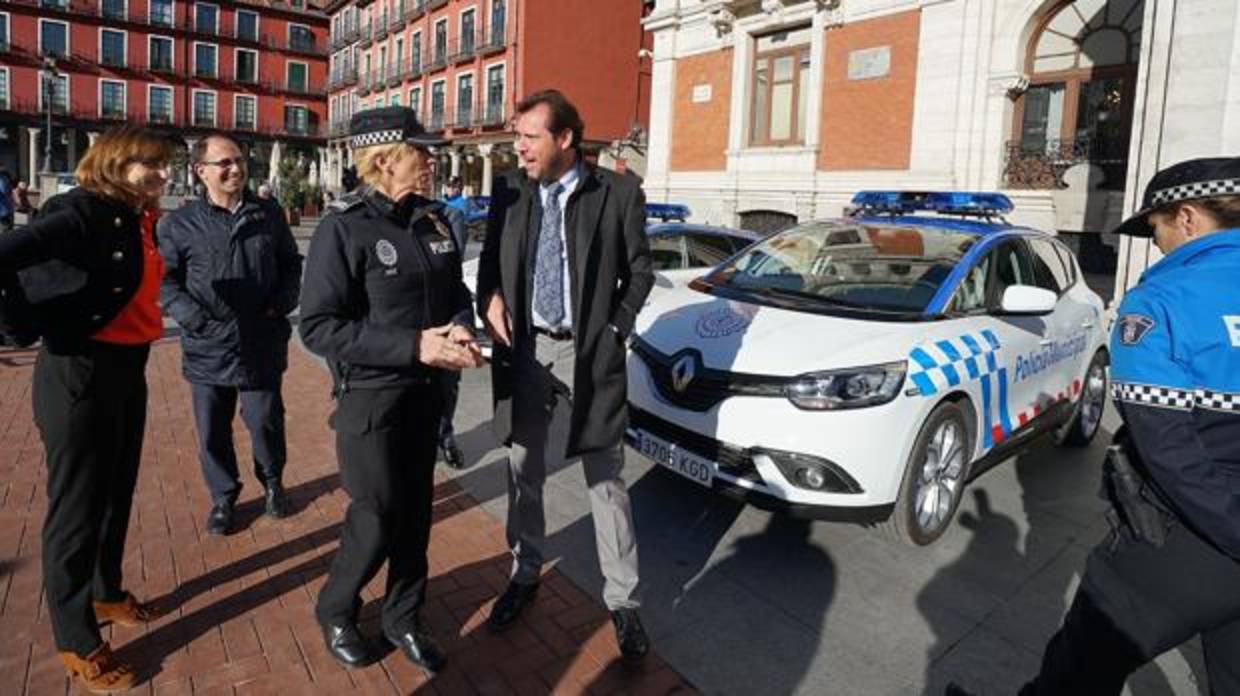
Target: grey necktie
[[549, 264]]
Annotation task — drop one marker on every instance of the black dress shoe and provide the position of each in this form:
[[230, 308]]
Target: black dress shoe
[[630, 635], [220, 519], [509, 605], [452, 454], [278, 505], [418, 645], [346, 644]]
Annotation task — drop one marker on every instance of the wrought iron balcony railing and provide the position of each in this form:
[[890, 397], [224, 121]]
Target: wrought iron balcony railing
[[1041, 165]]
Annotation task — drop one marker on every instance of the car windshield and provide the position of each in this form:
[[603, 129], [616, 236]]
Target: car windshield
[[849, 266]]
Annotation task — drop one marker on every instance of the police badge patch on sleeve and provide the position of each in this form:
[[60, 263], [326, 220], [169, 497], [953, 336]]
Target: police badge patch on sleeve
[[1133, 327]]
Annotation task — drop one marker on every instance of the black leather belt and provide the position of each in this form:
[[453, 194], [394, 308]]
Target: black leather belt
[[562, 335]]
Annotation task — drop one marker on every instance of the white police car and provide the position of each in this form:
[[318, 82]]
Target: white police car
[[867, 367]]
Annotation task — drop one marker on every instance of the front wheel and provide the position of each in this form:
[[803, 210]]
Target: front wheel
[[1080, 430], [934, 477]]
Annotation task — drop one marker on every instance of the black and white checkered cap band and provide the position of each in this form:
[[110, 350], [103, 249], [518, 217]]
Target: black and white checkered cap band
[[383, 137], [1167, 397], [1200, 189]]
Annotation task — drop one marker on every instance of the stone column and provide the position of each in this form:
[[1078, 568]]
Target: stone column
[[484, 151], [33, 153], [454, 156], [70, 134]]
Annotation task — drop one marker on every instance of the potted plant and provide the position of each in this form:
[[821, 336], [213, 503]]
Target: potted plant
[[313, 195], [291, 188]]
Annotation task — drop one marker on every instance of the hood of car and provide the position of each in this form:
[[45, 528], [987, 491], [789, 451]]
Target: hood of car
[[743, 337]]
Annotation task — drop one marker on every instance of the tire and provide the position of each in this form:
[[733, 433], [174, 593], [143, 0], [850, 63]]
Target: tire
[[1087, 416], [932, 488]]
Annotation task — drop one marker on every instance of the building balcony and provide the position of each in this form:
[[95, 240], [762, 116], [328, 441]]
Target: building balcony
[[303, 89], [464, 117], [364, 83], [381, 27], [1042, 165], [414, 9], [463, 51], [492, 41], [438, 60], [338, 129], [304, 46], [491, 115], [344, 38], [397, 22], [415, 71], [365, 37], [436, 122], [160, 119], [161, 68], [436, 4]]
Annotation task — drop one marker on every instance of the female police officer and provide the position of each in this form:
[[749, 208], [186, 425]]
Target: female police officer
[[383, 302], [1171, 569]]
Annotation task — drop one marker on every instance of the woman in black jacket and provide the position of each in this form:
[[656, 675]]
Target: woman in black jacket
[[90, 270]]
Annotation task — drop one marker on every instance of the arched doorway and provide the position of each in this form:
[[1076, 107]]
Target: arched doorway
[[1082, 66]]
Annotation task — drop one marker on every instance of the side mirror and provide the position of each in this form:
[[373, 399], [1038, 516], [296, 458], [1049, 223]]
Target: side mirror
[[1027, 299]]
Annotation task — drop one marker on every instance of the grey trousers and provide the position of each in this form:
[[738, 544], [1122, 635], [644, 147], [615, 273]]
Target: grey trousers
[[541, 408]]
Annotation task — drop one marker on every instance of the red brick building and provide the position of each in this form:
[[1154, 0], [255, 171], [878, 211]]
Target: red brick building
[[257, 69], [463, 64]]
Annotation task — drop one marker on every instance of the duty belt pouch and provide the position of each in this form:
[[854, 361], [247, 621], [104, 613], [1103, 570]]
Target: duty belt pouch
[[1122, 485]]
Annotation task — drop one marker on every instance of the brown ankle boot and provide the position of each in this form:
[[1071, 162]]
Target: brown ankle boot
[[127, 612], [100, 672]]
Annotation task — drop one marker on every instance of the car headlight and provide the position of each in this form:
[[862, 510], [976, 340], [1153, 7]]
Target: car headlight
[[848, 388]]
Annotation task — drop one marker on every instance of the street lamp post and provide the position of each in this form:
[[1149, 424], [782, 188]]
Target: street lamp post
[[51, 77]]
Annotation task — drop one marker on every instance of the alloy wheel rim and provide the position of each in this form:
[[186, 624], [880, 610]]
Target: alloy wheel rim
[[940, 478], [1093, 401]]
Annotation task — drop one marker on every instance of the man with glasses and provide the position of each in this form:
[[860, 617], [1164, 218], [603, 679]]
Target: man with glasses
[[233, 274]]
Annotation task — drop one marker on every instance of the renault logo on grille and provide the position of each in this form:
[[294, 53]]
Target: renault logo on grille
[[683, 371]]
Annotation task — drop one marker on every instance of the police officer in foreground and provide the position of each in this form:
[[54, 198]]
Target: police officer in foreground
[[1170, 570], [384, 304]]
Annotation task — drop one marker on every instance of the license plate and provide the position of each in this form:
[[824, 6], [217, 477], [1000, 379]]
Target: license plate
[[670, 456]]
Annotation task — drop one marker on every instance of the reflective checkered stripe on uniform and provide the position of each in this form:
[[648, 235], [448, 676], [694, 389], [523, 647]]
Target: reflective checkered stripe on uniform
[[1181, 399]]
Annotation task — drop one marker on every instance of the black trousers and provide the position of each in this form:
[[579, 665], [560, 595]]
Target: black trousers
[[1135, 603], [385, 442], [450, 381], [262, 411], [90, 409]]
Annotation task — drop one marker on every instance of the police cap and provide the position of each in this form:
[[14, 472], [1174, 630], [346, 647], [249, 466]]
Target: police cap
[[390, 124], [1186, 181]]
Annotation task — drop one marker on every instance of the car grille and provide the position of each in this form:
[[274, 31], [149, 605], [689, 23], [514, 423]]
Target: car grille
[[731, 459], [708, 386]]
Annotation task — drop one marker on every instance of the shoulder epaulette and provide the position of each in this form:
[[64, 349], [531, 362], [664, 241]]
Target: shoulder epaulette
[[345, 202]]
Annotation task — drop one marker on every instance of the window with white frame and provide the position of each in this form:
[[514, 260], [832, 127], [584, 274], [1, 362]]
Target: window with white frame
[[464, 100], [394, 100], [495, 94], [247, 25], [415, 101], [59, 87], [205, 59], [4, 88], [53, 38], [204, 108], [161, 13], [206, 18], [399, 56], [298, 77], [112, 99], [499, 17], [781, 91], [159, 53], [4, 31], [245, 112], [112, 48], [112, 9], [300, 38], [415, 54], [296, 120], [441, 42], [437, 105], [159, 104], [247, 65], [467, 31]]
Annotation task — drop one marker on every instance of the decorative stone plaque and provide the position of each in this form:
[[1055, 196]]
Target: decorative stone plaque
[[869, 63]]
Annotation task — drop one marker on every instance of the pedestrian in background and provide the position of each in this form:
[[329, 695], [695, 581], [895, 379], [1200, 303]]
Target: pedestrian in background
[[21, 197], [564, 271], [1170, 569], [385, 306], [448, 447], [91, 270], [234, 274]]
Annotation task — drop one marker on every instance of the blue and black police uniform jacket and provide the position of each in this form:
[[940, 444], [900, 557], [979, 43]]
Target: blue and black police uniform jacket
[[377, 273], [1175, 373]]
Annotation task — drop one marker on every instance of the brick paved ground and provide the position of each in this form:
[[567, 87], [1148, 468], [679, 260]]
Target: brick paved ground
[[240, 617]]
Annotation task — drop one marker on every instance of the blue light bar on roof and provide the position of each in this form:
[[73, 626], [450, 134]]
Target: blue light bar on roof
[[948, 202]]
